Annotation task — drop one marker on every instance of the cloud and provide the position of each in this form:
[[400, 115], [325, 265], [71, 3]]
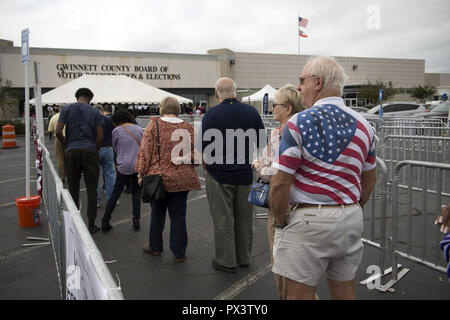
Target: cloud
[[409, 28]]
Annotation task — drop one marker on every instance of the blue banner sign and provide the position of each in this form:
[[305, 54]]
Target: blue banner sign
[[25, 46], [266, 103]]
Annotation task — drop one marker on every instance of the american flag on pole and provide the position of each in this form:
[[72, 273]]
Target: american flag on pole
[[38, 161], [327, 148], [302, 22], [302, 34]]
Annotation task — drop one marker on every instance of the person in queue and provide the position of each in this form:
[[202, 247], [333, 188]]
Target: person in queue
[[126, 140], [326, 172], [106, 157], [51, 129], [443, 222], [287, 102], [59, 149], [228, 180], [83, 139], [178, 178]]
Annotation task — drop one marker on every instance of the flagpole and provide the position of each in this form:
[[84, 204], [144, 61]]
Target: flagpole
[[298, 34]]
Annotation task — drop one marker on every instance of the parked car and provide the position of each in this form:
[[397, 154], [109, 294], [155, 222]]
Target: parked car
[[439, 111], [396, 109], [360, 109]]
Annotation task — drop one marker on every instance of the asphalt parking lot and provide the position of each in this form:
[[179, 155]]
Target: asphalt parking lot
[[30, 273]]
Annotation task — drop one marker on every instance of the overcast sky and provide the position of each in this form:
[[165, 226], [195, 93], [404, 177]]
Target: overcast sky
[[415, 29]]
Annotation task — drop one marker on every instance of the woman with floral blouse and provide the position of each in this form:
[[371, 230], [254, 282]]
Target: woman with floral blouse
[[178, 174]]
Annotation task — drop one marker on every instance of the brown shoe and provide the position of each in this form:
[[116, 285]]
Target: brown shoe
[[147, 249], [179, 260]]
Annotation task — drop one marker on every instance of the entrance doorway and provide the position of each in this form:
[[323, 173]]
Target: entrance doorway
[[351, 102]]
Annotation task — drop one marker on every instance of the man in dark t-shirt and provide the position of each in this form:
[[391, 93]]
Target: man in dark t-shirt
[[84, 136], [230, 131]]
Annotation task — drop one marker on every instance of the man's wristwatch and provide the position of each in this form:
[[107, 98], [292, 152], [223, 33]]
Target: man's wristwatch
[[279, 226]]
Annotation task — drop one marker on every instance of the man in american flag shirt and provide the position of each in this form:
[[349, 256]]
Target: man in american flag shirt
[[326, 172]]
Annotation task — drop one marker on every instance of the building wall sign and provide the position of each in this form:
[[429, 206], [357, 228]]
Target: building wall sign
[[73, 71]]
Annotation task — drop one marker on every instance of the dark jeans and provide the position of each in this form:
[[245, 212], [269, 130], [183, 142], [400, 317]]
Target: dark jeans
[[86, 161], [121, 180], [176, 202]]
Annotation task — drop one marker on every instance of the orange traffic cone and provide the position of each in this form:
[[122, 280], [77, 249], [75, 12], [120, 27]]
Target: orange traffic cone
[[9, 136]]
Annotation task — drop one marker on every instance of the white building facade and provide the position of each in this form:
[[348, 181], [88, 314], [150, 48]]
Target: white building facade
[[194, 75]]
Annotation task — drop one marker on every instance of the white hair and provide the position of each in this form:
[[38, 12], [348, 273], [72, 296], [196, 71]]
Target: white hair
[[226, 88], [333, 74]]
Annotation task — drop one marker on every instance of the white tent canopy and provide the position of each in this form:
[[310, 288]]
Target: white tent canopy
[[109, 89], [259, 96]]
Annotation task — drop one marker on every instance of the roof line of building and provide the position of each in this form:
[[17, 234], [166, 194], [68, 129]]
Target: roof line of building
[[111, 53], [211, 55], [343, 57]]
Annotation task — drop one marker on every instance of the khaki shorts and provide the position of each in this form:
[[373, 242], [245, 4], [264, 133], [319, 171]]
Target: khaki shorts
[[317, 241]]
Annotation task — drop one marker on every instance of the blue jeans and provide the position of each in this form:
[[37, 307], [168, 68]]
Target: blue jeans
[[121, 180], [176, 202], [106, 160]]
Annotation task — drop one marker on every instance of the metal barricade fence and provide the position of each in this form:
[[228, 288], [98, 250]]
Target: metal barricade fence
[[398, 148], [387, 121], [374, 120], [404, 118], [375, 211], [191, 118], [57, 199], [385, 131], [414, 123], [200, 173], [52, 187], [186, 117], [407, 233], [143, 121], [412, 119], [267, 117]]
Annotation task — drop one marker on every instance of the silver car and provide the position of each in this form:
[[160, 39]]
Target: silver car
[[397, 109], [360, 109], [440, 111]]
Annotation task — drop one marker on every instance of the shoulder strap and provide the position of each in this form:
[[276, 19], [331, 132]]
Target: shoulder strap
[[129, 132], [158, 145]]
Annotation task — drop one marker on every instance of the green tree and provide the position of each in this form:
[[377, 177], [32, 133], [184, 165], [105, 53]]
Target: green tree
[[424, 93], [5, 90], [371, 91], [9, 104]]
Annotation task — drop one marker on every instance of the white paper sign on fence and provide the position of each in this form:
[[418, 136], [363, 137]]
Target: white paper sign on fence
[[82, 281]]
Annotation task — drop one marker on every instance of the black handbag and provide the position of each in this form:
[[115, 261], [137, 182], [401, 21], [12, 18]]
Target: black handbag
[[152, 188]]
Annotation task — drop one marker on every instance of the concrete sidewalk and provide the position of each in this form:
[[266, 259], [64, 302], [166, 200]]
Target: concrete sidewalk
[[25, 273]]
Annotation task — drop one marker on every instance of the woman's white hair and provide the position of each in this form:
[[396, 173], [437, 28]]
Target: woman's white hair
[[333, 74]]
